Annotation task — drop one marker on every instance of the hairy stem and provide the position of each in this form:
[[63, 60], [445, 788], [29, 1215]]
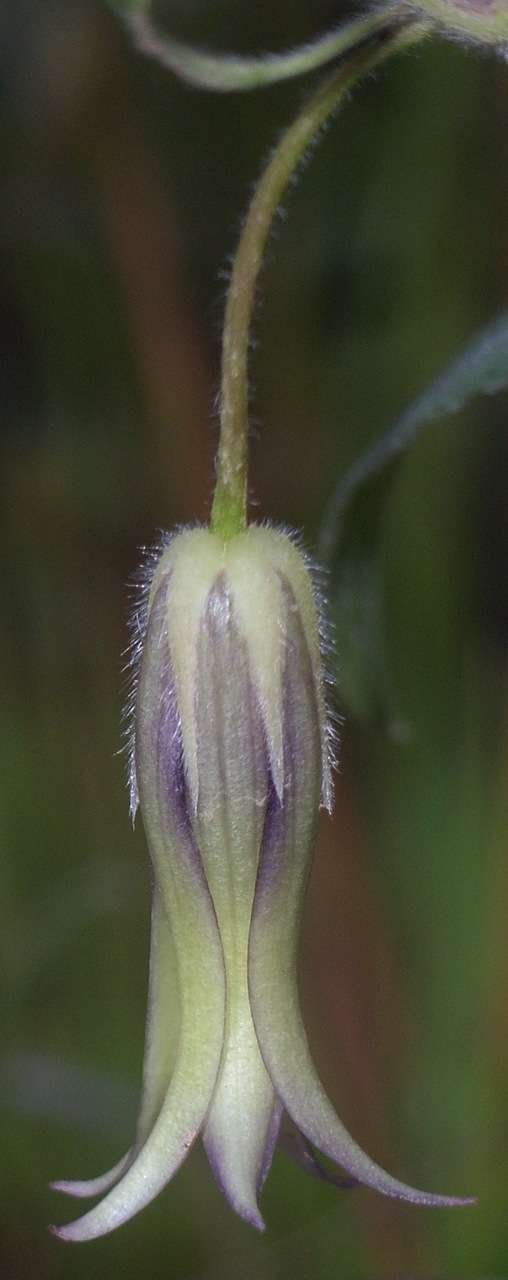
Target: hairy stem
[[229, 509], [233, 73]]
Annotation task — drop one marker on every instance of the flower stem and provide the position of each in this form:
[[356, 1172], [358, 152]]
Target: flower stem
[[233, 73], [229, 508]]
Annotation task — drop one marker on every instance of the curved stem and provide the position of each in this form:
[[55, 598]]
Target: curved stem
[[229, 509], [233, 73]]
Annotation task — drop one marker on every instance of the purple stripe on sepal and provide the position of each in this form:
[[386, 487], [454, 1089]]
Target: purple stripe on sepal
[[302, 760], [159, 751]]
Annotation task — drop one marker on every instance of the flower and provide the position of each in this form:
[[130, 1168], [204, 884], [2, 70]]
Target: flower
[[231, 762]]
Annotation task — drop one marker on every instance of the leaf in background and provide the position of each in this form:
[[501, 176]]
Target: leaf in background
[[350, 540]]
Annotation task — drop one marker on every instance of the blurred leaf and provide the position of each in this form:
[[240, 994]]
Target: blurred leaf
[[350, 541]]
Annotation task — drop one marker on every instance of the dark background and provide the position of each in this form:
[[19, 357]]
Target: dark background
[[122, 196]]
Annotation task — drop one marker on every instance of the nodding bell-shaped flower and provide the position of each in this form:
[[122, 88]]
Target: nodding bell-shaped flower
[[231, 763]]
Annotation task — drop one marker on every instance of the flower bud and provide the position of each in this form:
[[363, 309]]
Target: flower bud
[[231, 762]]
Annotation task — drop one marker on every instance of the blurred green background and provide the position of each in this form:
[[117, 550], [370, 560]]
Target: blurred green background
[[123, 193]]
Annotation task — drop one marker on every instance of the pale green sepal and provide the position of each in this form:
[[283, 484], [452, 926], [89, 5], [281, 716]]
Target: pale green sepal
[[282, 554], [192, 561], [256, 592], [89, 1187], [161, 1035], [185, 899], [239, 1122], [201, 979], [273, 945], [286, 1053], [162, 1021], [228, 828]]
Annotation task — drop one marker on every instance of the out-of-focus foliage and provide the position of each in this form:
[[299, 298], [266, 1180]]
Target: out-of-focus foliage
[[122, 195], [351, 531]]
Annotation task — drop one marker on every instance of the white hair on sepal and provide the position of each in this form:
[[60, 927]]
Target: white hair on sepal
[[138, 586], [333, 720]]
